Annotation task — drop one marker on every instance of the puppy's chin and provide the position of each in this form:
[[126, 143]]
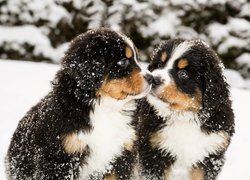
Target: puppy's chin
[[126, 97], [168, 100], [144, 90], [155, 99], [162, 108], [144, 93]]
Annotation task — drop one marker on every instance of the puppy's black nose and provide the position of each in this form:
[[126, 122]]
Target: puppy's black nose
[[157, 81], [149, 78], [154, 80]]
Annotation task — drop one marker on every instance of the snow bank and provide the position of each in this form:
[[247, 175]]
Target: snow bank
[[236, 80], [244, 59], [238, 157], [22, 85], [22, 34], [17, 36], [32, 11], [234, 34]]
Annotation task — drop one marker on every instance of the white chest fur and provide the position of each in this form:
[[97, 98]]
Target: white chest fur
[[183, 138], [111, 130]]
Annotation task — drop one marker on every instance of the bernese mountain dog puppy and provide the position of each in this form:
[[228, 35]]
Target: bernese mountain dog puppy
[[84, 128], [186, 121]]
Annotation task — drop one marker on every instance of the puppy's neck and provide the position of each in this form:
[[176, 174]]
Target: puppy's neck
[[111, 127]]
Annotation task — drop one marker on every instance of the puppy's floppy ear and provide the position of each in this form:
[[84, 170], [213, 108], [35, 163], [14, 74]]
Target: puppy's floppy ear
[[216, 113], [215, 87], [84, 62]]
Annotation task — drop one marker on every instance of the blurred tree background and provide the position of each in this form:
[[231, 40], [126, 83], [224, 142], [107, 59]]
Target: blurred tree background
[[39, 30]]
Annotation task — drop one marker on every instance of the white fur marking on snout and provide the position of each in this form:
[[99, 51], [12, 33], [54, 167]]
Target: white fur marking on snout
[[165, 75], [178, 52]]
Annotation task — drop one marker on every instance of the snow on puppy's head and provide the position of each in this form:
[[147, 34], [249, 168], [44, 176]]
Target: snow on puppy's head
[[104, 63]]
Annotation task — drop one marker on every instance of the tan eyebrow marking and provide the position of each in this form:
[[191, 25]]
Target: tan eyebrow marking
[[128, 52], [182, 63], [164, 56]]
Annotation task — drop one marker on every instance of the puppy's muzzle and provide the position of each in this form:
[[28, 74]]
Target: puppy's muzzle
[[155, 81]]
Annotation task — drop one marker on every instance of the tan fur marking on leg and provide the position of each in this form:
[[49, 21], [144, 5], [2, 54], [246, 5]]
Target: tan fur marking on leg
[[111, 176], [156, 139], [197, 174], [167, 174], [130, 144], [72, 144], [226, 143]]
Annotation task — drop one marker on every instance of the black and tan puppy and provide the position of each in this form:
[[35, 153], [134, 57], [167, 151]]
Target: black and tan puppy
[[83, 129], [186, 122]]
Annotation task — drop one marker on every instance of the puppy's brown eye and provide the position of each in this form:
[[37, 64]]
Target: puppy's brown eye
[[123, 62], [183, 74]]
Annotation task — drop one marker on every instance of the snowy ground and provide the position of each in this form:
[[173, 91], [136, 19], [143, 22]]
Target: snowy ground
[[22, 84]]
